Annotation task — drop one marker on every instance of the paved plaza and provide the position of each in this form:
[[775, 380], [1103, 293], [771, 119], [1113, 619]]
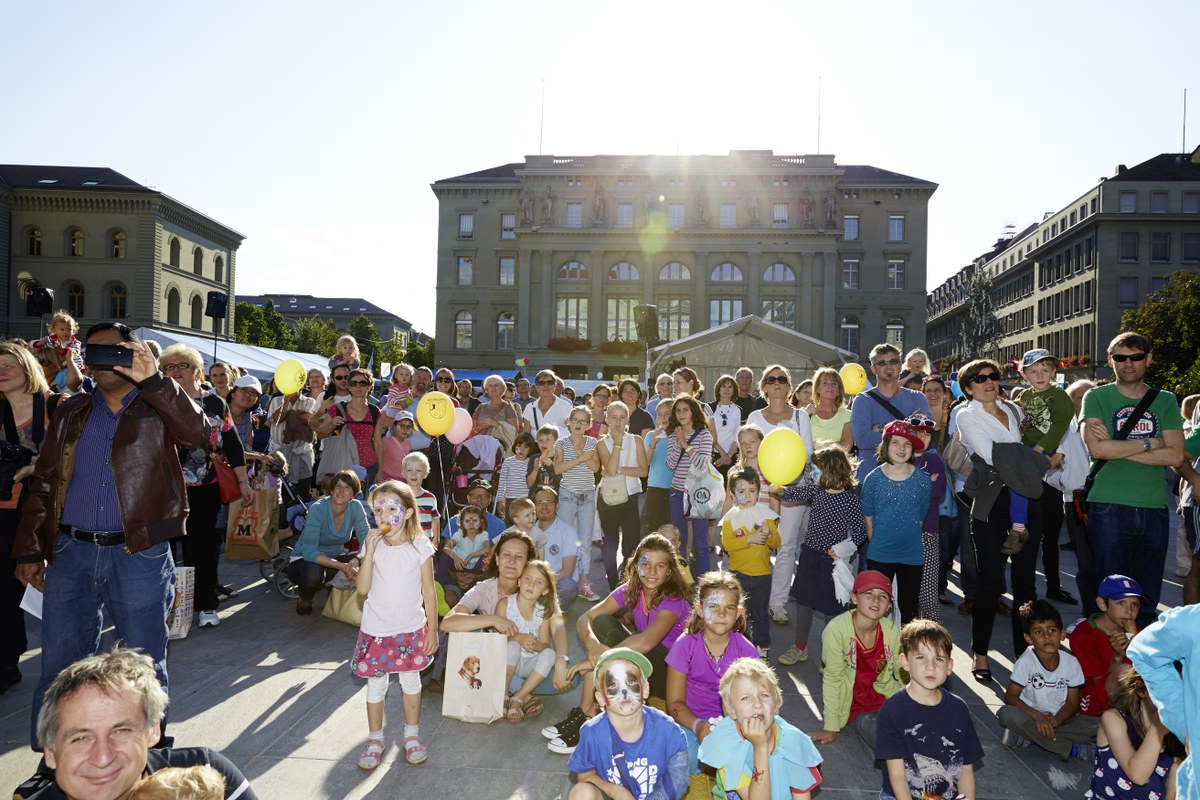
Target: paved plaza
[[273, 691]]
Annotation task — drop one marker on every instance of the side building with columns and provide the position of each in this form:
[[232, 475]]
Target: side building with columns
[[548, 258]]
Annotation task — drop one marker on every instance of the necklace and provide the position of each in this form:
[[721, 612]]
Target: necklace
[[716, 659]]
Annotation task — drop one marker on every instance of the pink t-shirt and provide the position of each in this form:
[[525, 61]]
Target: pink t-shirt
[[642, 620], [395, 605], [394, 451]]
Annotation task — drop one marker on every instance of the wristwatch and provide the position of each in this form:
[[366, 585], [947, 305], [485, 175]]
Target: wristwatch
[[1146, 445]]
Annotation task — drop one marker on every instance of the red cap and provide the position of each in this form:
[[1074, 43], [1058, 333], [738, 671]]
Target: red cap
[[870, 579]]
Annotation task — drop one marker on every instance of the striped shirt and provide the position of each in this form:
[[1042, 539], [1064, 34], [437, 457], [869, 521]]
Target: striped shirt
[[580, 477], [513, 475], [678, 464], [427, 511], [91, 502]]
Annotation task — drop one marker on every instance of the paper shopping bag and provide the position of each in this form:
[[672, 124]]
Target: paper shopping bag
[[474, 682], [344, 605], [179, 620], [252, 533]]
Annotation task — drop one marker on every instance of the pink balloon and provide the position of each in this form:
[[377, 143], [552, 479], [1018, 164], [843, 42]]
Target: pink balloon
[[460, 429]]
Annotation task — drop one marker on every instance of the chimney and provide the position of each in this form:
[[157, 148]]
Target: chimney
[[1121, 168]]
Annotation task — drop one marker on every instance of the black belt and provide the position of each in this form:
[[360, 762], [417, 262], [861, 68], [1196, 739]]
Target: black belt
[[102, 538]]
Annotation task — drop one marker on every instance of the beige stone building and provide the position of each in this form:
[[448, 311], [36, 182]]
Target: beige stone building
[[1062, 284], [547, 259], [110, 249]]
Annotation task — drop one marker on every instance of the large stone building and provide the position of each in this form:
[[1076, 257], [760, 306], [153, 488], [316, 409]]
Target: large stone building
[[1063, 283], [337, 311], [110, 249], [548, 259]]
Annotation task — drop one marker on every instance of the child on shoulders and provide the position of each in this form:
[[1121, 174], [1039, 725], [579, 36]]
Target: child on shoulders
[[347, 354], [61, 340], [399, 396]]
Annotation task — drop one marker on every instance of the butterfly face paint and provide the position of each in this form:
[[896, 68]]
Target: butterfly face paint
[[387, 510], [816, 474], [712, 605], [622, 688]]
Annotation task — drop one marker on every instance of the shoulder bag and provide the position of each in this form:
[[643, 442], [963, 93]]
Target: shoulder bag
[[1081, 496]]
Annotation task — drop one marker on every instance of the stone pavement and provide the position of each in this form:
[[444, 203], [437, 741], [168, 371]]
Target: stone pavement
[[274, 692]]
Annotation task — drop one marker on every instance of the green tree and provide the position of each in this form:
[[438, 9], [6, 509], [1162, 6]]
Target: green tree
[[251, 326], [277, 324], [367, 336], [315, 335], [979, 335], [1170, 319], [420, 355]]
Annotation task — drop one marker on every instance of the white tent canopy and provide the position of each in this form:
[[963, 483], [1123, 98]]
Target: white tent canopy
[[258, 361], [750, 342]]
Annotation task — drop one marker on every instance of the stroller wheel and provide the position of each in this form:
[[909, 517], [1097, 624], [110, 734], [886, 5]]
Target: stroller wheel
[[267, 569], [284, 585]]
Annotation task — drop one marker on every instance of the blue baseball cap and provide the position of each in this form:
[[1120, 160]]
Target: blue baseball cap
[[1117, 587]]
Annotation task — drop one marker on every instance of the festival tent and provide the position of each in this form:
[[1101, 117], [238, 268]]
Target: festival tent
[[749, 341], [258, 361]]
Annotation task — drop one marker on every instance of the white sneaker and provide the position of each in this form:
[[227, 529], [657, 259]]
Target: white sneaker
[[794, 655], [209, 619], [778, 615]]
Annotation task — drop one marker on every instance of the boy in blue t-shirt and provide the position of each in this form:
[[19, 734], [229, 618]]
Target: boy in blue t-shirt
[[925, 734], [652, 762]]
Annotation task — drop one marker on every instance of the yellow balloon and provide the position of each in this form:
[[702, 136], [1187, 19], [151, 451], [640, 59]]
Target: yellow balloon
[[435, 413], [289, 376], [781, 456], [854, 378]]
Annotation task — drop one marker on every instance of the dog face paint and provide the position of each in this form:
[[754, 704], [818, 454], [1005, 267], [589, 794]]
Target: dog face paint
[[622, 688]]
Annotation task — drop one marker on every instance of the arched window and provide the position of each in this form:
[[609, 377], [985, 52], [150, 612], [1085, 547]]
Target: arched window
[[198, 261], [219, 269], [35, 242], [572, 271], [850, 334], [675, 272], [623, 271], [173, 306], [894, 333], [197, 313], [779, 273], [116, 244], [116, 302], [506, 331], [174, 252], [726, 273], [74, 294], [75, 243], [464, 331]]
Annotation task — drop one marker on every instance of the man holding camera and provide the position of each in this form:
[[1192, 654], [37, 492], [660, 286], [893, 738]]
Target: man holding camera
[[106, 497]]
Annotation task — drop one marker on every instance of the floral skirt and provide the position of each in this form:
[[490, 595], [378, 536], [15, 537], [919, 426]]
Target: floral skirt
[[383, 655]]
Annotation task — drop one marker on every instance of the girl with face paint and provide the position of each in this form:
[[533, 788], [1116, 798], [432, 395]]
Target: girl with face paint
[[715, 638], [399, 625]]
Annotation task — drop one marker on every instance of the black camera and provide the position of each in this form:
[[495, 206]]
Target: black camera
[[12, 458]]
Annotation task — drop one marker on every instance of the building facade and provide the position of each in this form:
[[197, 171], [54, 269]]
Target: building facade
[[548, 259], [110, 249], [1064, 283], [337, 311]]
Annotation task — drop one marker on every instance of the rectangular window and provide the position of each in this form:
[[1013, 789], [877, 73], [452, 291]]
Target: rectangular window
[[722, 310], [1160, 247], [624, 215], [508, 226], [1158, 202], [781, 312], [728, 215], [1092, 206], [850, 273], [466, 270], [1129, 247], [1157, 284], [895, 274], [1128, 292], [1191, 248], [850, 229], [1072, 218], [850, 336], [779, 218], [1191, 202], [1128, 202], [674, 319], [675, 216], [1087, 252], [574, 215], [895, 229], [619, 323], [570, 317], [508, 271], [466, 226]]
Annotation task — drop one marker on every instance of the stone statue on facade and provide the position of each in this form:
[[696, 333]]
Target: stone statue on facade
[[548, 207], [527, 207], [702, 209], [807, 206], [599, 203], [831, 208]]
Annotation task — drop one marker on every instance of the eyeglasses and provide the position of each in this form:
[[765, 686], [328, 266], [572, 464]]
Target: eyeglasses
[[984, 377], [173, 367], [341, 377], [767, 381], [360, 383], [1121, 358], [546, 383], [891, 362]]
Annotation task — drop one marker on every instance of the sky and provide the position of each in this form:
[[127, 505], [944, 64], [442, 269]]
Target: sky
[[316, 129]]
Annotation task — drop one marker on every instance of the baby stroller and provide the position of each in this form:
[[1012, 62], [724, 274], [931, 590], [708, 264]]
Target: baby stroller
[[295, 511], [478, 457]]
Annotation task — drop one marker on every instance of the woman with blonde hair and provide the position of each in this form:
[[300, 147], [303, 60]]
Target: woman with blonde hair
[[827, 413]]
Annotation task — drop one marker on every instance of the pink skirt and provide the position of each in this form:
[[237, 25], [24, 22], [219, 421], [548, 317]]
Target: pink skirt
[[383, 655]]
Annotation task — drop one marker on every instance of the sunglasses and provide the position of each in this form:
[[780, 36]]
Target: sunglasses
[[360, 383], [341, 377], [545, 383], [984, 377], [770, 379], [443, 379], [891, 362], [1121, 358]]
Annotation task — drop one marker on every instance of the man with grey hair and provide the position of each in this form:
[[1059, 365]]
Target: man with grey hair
[[98, 724], [548, 408]]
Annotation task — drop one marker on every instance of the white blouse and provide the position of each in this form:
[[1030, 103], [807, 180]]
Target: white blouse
[[979, 430]]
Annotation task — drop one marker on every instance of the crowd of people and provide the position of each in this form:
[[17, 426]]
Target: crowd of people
[[124, 457]]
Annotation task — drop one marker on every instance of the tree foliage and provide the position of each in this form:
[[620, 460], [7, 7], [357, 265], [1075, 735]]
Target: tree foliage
[[315, 335], [420, 355], [278, 325], [1170, 318], [251, 326], [979, 335]]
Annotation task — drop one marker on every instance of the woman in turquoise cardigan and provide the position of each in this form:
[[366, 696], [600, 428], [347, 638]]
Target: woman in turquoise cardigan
[[320, 548]]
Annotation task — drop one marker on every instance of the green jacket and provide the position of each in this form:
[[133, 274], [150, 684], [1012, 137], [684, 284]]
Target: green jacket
[[840, 654]]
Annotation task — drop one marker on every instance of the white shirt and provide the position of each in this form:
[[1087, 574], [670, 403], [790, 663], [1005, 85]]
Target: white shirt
[[727, 420], [798, 422], [979, 430], [1046, 690], [557, 416]]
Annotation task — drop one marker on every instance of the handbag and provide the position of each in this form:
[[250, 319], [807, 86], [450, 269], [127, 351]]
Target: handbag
[[340, 452], [956, 456], [344, 605], [227, 479], [474, 685], [252, 533], [705, 491], [614, 490]]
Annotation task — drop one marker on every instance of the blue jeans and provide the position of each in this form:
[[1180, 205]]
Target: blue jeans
[[699, 526], [578, 509], [137, 590], [1133, 542]]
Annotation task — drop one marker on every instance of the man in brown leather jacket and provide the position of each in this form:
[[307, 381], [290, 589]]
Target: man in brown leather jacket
[[106, 496]]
